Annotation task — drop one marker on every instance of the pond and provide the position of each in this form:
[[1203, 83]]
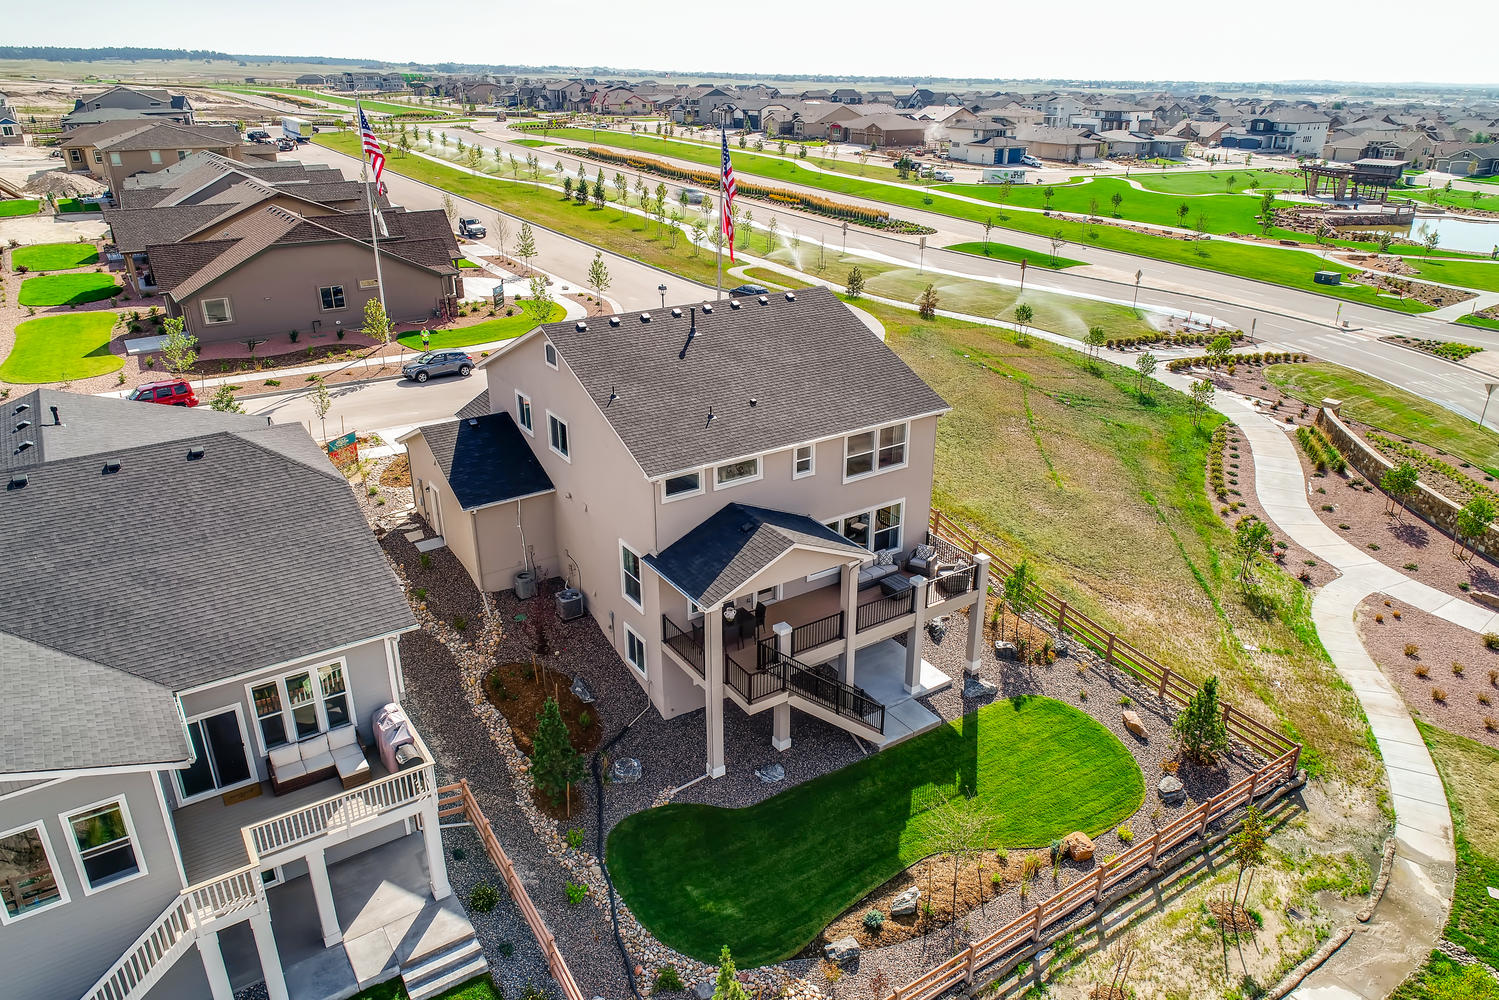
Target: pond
[[1454, 232]]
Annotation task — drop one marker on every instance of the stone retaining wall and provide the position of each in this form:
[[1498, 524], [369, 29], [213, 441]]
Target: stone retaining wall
[[1431, 506]]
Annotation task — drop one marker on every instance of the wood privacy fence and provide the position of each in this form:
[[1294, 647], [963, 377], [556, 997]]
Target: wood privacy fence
[[458, 800], [996, 955]]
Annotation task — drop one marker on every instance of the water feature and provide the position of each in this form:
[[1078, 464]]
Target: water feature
[[1454, 232]]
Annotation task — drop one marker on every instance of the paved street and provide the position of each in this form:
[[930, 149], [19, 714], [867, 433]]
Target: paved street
[[366, 406]]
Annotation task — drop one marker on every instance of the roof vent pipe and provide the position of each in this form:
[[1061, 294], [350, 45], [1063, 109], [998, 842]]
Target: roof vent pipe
[[56, 417], [692, 330]]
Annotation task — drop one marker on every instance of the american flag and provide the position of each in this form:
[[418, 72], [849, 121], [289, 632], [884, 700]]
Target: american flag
[[372, 150], [726, 171]]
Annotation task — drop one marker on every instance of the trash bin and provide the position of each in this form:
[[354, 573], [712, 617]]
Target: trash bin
[[525, 584]]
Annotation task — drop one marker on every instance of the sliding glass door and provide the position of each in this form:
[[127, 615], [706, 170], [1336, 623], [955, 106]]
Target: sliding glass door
[[219, 749]]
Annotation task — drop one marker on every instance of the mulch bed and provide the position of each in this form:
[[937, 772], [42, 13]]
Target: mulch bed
[[520, 690], [1438, 644]]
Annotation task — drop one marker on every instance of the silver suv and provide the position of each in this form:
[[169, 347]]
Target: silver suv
[[424, 366]]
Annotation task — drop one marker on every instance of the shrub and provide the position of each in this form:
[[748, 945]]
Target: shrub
[[1457, 668], [1126, 835], [585, 720], [576, 892], [1411, 567], [1412, 650], [1494, 677], [460, 623], [1490, 724], [1483, 697], [1422, 671], [1438, 694], [459, 854], [484, 898], [873, 921], [668, 980], [575, 838], [1491, 640]]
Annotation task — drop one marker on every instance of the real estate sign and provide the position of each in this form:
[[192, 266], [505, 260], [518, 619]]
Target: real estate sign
[[343, 451]]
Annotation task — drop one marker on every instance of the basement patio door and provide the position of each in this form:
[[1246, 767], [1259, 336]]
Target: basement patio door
[[219, 751]]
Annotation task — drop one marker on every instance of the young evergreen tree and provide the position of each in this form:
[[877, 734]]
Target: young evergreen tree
[[555, 762], [1200, 727], [727, 987], [855, 284]]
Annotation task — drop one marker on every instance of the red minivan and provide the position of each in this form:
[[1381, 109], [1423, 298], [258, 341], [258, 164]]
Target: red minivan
[[177, 392]]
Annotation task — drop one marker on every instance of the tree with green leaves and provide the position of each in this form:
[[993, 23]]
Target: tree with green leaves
[[322, 402], [1200, 728], [1473, 521], [567, 189], [1116, 199], [1021, 591], [525, 244], [988, 227], [854, 286], [1145, 366], [1399, 484], [1249, 846], [1219, 348], [538, 304], [598, 277], [1182, 211], [555, 763], [377, 325], [1252, 538], [1049, 193], [448, 208], [1095, 340], [1002, 196], [1202, 392], [1267, 211], [223, 400], [179, 349], [1023, 316], [621, 187], [1057, 240], [926, 303], [727, 986]]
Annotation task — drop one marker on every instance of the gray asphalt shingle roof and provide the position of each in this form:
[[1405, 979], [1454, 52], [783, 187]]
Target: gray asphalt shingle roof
[[720, 555], [772, 376], [485, 459]]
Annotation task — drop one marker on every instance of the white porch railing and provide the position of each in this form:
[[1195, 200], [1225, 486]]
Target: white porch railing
[[200, 906]]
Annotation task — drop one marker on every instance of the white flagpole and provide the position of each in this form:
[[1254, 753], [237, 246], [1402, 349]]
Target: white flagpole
[[369, 197], [723, 208]]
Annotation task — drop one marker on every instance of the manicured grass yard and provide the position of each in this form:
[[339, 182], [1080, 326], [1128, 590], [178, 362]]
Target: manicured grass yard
[[66, 289], [1003, 251], [19, 206], [533, 143], [60, 348], [1382, 405], [1216, 181], [70, 205], [766, 879], [1468, 769], [479, 988], [1483, 321], [499, 328], [54, 256]]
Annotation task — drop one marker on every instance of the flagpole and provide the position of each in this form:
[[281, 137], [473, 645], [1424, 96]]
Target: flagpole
[[723, 208], [369, 197]]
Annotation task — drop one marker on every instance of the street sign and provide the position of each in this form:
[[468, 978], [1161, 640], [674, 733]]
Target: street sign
[[343, 451]]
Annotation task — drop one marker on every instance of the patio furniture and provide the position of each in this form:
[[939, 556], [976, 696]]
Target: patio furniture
[[923, 560], [895, 585], [884, 565], [298, 765], [348, 757]]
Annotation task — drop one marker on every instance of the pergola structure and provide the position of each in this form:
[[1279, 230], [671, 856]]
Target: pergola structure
[[1361, 180]]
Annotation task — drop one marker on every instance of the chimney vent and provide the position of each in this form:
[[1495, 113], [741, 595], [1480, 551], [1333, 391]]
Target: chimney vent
[[764, 300], [23, 425], [56, 417], [23, 446], [752, 401], [111, 465], [23, 407], [194, 453], [582, 327], [707, 307], [18, 480]]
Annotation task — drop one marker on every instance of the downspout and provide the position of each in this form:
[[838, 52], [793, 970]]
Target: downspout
[[525, 551], [473, 520]]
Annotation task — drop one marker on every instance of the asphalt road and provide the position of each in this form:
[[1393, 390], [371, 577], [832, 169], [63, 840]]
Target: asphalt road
[[390, 404]]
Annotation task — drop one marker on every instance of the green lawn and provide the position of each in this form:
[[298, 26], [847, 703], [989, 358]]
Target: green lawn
[[479, 988], [61, 348], [1443, 979], [533, 143], [465, 262], [1483, 321], [66, 289], [54, 256], [1224, 213], [1452, 199], [766, 879], [1468, 769], [1452, 271], [499, 328], [19, 206], [1003, 251], [72, 205], [1217, 181], [1385, 406], [348, 102]]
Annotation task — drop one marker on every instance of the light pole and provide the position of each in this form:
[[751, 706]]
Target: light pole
[[1135, 303], [1489, 388], [662, 289]]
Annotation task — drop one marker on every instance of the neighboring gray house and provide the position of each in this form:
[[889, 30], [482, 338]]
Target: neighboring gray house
[[199, 633], [122, 103], [741, 493]]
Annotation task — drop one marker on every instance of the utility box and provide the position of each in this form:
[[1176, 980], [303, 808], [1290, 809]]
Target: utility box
[[1328, 277], [570, 604]]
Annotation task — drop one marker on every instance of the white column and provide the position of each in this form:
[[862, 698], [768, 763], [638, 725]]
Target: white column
[[322, 891], [213, 966], [850, 617], [913, 638], [713, 669], [437, 865], [270, 958], [780, 715], [976, 615]]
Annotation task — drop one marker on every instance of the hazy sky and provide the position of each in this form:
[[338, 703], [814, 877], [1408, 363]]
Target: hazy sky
[[1098, 39]]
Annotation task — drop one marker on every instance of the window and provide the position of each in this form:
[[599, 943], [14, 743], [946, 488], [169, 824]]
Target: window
[[155, 156], [801, 462], [98, 156], [104, 845], [635, 650], [75, 155], [28, 874], [523, 411], [216, 311], [557, 435], [688, 484], [887, 521], [551, 354], [332, 296], [877, 529], [114, 159], [219, 760], [629, 569], [874, 451], [301, 704], [182, 154], [744, 471]]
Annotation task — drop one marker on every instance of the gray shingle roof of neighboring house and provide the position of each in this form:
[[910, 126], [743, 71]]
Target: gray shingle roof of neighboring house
[[136, 135], [1054, 135], [720, 555], [134, 229], [133, 570], [772, 376], [485, 459]]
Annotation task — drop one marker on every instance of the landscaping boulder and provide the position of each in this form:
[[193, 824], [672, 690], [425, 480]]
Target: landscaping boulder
[[1060, 649], [842, 951], [625, 771], [977, 689], [937, 628], [1078, 846], [1133, 724], [905, 904], [582, 692], [1171, 791], [771, 773], [1004, 650], [703, 990]]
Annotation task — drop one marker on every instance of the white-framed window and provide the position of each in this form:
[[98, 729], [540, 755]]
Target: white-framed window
[[523, 412], [114, 160], [301, 704], [155, 156], [635, 650], [629, 576], [217, 311], [551, 354], [871, 452], [803, 462], [28, 874], [102, 839], [557, 436], [331, 297], [98, 156], [877, 529], [75, 155], [183, 154], [679, 487], [733, 473]]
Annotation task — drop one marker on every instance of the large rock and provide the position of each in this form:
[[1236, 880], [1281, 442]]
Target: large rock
[[1133, 724], [905, 904], [841, 951], [582, 691], [771, 773], [978, 689], [1078, 846], [704, 990], [1004, 650], [1171, 791]]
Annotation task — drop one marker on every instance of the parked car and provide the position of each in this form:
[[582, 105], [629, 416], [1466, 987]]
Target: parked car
[[942, 175], [258, 135], [173, 392], [749, 290], [472, 229], [1030, 160], [286, 145], [432, 363]]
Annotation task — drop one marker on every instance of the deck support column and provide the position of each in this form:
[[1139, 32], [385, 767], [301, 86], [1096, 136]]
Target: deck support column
[[976, 614], [213, 966], [780, 715], [713, 668], [437, 866], [850, 618], [913, 638], [322, 893], [270, 958]]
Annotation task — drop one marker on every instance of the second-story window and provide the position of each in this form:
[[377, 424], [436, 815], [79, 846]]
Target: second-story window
[[801, 462], [629, 569], [557, 436], [523, 411], [732, 473], [551, 354], [686, 485], [874, 451]]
